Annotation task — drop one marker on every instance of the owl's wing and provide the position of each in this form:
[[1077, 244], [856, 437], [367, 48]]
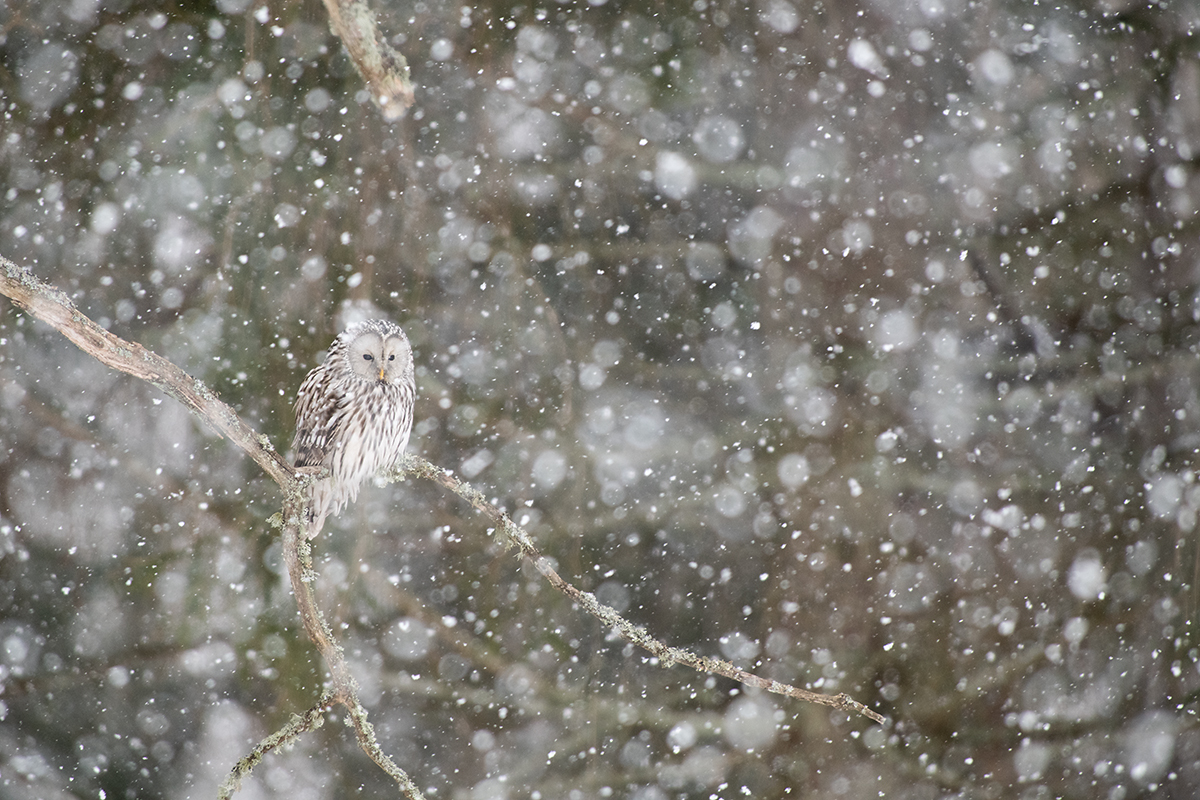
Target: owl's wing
[[317, 419]]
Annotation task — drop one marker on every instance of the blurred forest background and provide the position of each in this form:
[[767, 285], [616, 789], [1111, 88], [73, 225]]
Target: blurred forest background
[[853, 342]]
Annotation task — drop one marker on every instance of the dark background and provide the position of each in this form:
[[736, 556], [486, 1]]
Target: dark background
[[854, 343]]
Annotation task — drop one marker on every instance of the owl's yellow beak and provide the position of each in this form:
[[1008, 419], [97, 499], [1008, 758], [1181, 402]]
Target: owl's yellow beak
[[381, 371]]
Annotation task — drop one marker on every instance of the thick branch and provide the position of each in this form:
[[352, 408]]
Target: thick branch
[[53, 307]]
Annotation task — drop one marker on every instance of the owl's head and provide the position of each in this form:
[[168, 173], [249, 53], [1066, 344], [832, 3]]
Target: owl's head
[[378, 351]]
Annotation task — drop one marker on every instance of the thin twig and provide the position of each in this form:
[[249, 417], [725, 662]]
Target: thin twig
[[512, 535], [299, 723], [365, 732]]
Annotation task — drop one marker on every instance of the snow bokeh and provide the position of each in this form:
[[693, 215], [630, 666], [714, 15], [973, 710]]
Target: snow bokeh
[[855, 345]]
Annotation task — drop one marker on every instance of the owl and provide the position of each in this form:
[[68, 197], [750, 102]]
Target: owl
[[354, 414]]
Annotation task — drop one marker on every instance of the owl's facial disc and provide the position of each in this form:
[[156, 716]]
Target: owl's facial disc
[[376, 359]]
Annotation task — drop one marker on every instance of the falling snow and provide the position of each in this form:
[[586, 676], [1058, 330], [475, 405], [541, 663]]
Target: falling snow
[[854, 345]]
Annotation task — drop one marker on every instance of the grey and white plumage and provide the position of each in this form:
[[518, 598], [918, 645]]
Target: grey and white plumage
[[354, 414]]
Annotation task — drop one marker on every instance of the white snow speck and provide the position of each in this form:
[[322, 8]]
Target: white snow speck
[[729, 502], [705, 261], [896, 330], [739, 648], [779, 15], [407, 639], [549, 469], [862, 54], [750, 723], [1030, 760], [994, 67], [48, 76], [1150, 746], [1007, 519], [1164, 494], [993, 160], [287, 215], [278, 143], [752, 238], [105, 218], [793, 470], [441, 49], [476, 463], [718, 138], [857, 236], [592, 376], [682, 737], [1087, 577]]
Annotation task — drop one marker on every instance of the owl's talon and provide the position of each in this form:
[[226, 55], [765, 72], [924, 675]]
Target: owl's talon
[[313, 471]]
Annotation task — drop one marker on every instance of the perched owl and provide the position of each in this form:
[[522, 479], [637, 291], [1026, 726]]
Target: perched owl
[[354, 413]]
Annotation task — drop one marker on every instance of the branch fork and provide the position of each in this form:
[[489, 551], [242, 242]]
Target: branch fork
[[53, 307]]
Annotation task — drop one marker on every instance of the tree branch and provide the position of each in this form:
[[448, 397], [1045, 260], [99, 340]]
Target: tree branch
[[53, 307], [512, 535], [383, 68], [299, 723]]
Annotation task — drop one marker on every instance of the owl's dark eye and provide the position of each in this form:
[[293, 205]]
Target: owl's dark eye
[[368, 357], [392, 357]]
